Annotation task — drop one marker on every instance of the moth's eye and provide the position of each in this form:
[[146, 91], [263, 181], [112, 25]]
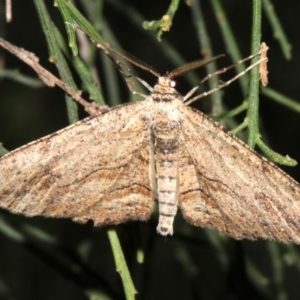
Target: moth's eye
[[172, 83]]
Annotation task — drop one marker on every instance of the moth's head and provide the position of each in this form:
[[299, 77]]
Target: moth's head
[[166, 82], [164, 90]]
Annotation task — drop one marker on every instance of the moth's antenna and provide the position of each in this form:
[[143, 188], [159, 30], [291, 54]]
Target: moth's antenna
[[192, 66], [130, 58], [122, 68], [224, 84]]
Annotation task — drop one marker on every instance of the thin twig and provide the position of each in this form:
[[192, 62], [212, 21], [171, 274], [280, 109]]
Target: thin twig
[[49, 79]]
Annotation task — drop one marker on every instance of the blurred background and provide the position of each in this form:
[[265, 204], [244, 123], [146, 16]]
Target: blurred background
[[58, 259]]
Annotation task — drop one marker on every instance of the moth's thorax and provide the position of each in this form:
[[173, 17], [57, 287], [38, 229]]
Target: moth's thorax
[[163, 104]]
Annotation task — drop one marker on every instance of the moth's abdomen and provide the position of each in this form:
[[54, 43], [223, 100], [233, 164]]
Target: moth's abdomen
[[166, 156]]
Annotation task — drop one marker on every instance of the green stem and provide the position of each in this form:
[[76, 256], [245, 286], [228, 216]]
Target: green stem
[[57, 57], [274, 156], [239, 128], [279, 33], [252, 114], [3, 151], [15, 75], [278, 269], [121, 265], [282, 99], [231, 113], [230, 41], [165, 23], [69, 27], [206, 50]]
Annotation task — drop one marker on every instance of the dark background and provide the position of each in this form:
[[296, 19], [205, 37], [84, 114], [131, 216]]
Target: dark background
[[189, 265]]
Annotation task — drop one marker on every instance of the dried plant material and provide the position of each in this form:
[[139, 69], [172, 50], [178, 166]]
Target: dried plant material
[[110, 167], [263, 70], [8, 13], [49, 79]]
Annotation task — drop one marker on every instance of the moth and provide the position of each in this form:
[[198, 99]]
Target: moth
[[111, 167]]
